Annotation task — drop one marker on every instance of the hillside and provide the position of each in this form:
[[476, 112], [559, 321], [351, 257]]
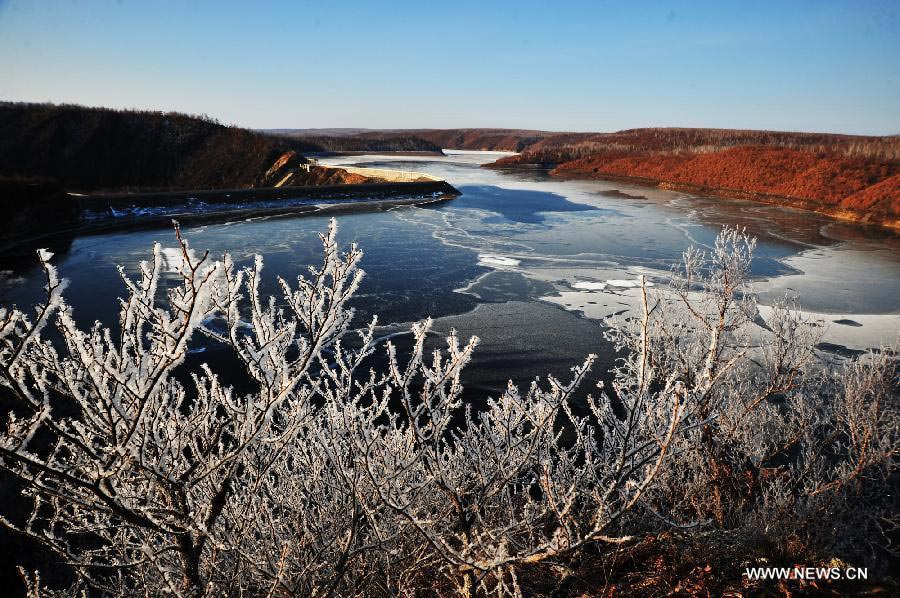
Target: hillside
[[851, 188], [847, 176], [97, 149], [564, 147]]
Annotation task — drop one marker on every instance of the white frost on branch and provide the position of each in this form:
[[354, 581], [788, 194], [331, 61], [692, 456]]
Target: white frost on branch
[[332, 478]]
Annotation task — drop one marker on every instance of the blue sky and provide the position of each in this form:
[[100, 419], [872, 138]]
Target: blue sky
[[596, 66]]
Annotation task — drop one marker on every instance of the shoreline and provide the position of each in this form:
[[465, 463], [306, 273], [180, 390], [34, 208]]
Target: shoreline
[[808, 205], [228, 204]]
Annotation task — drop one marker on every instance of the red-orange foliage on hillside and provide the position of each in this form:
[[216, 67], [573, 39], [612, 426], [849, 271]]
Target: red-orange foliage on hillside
[[833, 183], [886, 193]]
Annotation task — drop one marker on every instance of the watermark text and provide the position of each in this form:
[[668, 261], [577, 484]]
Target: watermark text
[[806, 573]]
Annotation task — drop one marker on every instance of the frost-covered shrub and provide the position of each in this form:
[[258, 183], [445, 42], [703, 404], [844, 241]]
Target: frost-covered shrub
[[331, 478]]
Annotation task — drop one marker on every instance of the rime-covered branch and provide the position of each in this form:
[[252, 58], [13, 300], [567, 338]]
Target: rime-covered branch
[[331, 478]]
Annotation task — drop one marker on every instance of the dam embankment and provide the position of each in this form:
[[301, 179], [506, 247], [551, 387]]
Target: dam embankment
[[99, 212]]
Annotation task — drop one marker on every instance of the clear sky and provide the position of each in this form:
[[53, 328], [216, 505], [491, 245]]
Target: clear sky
[[596, 66]]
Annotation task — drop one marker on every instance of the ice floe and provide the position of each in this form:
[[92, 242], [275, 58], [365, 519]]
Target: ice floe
[[487, 259], [585, 285], [589, 286]]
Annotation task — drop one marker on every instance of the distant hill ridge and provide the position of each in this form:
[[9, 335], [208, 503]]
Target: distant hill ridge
[[553, 147], [513, 140], [101, 149]]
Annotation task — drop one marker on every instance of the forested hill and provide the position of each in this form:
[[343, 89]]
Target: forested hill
[[557, 148], [360, 140], [91, 149]]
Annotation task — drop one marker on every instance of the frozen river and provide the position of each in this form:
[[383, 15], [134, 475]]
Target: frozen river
[[530, 264]]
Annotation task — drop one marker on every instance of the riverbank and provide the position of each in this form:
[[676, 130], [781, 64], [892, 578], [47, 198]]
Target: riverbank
[[582, 245], [891, 221], [117, 211], [856, 187]]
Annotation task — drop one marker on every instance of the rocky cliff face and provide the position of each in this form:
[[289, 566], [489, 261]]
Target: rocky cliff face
[[292, 170]]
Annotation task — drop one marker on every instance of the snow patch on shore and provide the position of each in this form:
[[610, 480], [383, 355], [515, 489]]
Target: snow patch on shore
[[589, 286]]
